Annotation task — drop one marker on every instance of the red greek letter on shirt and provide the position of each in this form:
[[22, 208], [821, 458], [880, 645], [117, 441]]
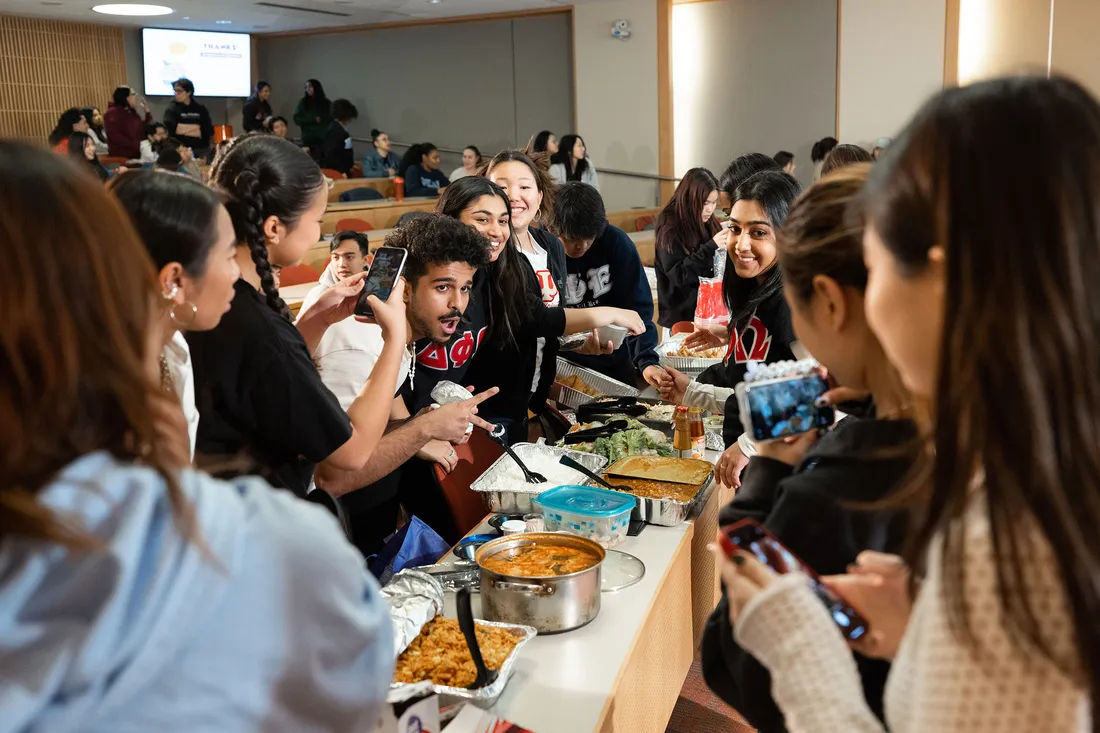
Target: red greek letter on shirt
[[433, 357], [761, 343], [463, 349]]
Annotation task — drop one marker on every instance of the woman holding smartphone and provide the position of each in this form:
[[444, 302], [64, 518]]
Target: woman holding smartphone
[[803, 491], [1001, 634], [257, 388]]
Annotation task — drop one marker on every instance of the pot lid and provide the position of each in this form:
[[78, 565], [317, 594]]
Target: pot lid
[[620, 570]]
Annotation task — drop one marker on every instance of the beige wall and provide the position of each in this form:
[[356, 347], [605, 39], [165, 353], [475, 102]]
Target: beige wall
[[616, 96], [1076, 48], [890, 62], [998, 37], [752, 76]]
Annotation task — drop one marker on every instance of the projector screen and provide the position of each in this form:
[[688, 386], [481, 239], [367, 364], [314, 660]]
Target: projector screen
[[218, 64]]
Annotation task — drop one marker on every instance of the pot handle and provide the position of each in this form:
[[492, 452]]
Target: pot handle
[[537, 589]]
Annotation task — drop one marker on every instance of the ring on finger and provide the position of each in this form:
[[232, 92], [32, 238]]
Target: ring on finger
[[452, 453]]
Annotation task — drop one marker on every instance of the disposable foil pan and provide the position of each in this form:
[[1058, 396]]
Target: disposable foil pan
[[416, 598], [484, 697], [519, 500], [668, 512], [685, 364], [602, 384]]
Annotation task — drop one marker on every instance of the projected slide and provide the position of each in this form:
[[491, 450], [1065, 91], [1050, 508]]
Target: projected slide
[[219, 64]]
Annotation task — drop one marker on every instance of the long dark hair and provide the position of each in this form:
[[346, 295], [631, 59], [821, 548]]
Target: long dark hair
[[541, 142], [318, 102], [680, 223], [843, 155], [73, 375], [412, 157], [77, 143], [89, 115], [1013, 324], [121, 97], [539, 163], [574, 169], [742, 168], [64, 126], [775, 191], [265, 176], [175, 216], [508, 280], [260, 86]]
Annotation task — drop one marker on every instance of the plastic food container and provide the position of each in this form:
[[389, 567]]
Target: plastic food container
[[597, 514]]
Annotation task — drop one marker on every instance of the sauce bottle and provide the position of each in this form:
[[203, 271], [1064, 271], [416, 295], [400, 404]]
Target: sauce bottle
[[681, 435], [697, 430]]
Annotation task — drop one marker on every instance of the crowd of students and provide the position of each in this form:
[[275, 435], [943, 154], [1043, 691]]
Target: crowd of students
[[954, 508]]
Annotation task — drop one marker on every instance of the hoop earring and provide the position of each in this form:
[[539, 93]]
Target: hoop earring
[[180, 324], [538, 215]]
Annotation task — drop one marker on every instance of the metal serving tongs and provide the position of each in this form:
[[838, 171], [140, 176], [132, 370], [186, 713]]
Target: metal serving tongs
[[622, 406], [499, 435], [604, 431]]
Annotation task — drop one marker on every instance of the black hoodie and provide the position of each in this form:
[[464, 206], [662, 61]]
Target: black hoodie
[[191, 113], [858, 461]]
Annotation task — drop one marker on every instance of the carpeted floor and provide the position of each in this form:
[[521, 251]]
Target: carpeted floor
[[698, 709]]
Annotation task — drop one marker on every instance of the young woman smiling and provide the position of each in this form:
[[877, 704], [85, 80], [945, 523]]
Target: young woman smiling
[[519, 315], [760, 321]]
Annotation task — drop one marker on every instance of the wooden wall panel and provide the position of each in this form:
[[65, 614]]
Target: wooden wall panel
[[47, 66]]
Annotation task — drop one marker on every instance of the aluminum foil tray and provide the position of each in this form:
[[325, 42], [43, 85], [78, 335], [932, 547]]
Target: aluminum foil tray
[[519, 501], [606, 386], [685, 364], [484, 697], [415, 598], [668, 512]]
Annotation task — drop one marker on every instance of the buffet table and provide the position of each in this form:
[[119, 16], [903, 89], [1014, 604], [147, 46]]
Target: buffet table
[[623, 671]]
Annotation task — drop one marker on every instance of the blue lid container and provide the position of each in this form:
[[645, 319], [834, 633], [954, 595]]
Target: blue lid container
[[587, 501]]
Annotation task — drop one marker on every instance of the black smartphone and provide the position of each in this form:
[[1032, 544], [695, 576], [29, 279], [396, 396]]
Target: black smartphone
[[775, 408], [750, 536], [385, 268]]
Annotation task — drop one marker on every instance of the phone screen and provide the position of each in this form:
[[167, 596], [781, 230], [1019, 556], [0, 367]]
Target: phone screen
[[385, 268], [786, 407], [750, 536]]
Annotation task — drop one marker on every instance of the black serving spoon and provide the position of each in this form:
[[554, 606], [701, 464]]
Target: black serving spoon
[[576, 466], [485, 676]]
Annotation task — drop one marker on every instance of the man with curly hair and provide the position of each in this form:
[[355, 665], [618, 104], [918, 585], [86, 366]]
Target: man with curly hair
[[443, 256]]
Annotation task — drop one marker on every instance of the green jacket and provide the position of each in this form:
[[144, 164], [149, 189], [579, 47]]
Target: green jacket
[[313, 132]]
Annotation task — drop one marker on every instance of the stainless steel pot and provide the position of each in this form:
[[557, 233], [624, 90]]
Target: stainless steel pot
[[551, 604]]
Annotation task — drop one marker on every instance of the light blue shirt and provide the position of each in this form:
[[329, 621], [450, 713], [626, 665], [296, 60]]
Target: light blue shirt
[[266, 620]]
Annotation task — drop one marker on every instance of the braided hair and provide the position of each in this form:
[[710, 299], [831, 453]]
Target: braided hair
[[265, 176]]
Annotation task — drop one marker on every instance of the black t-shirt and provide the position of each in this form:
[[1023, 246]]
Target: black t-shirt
[[766, 338], [259, 395], [438, 362]]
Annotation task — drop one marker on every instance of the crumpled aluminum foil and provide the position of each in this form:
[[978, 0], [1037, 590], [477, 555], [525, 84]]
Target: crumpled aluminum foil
[[446, 393], [415, 598]]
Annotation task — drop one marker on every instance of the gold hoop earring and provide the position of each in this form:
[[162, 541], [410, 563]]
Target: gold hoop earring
[[180, 324]]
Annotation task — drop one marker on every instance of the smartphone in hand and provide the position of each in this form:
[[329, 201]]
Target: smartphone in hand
[[386, 267], [750, 536], [775, 408]]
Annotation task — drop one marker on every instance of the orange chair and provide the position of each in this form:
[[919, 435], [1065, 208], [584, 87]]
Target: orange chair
[[474, 458], [356, 225], [682, 327], [643, 223], [298, 275], [222, 132], [335, 174]]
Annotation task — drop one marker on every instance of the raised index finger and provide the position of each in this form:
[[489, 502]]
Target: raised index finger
[[481, 397]]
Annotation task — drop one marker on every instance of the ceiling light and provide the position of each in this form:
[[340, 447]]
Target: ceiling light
[[223, 22], [435, 2], [125, 9]]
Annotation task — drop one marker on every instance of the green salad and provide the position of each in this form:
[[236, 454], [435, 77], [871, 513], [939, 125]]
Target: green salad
[[637, 439]]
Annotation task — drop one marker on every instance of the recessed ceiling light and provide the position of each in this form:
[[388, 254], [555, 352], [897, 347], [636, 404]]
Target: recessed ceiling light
[[223, 22], [435, 2], [124, 9]]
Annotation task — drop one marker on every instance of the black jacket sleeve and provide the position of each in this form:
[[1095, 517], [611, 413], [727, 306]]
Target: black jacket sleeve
[[248, 116], [631, 289], [334, 153], [172, 119], [682, 269], [205, 125], [802, 509]]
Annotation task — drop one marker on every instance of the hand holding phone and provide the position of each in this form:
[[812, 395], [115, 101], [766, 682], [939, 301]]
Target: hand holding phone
[[775, 408], [385, 269], [750, 536]]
